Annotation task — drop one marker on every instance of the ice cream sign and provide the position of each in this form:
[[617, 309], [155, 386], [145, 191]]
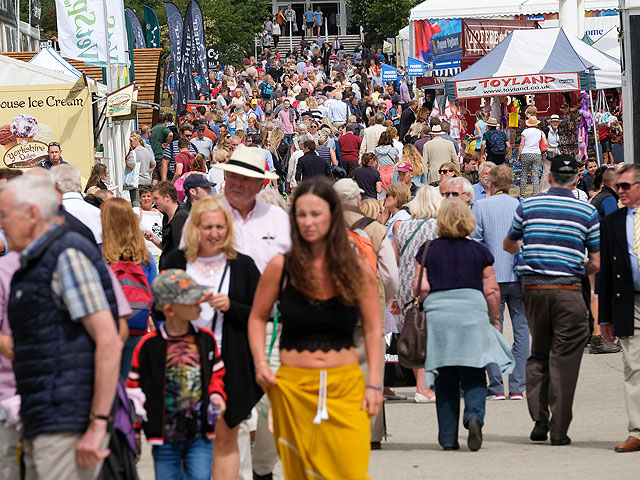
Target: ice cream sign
[[31, 117], [26, 141], [517, 85]]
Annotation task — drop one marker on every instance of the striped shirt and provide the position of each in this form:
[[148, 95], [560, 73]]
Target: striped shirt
[[494, 216], [555, 228], [171, 151]]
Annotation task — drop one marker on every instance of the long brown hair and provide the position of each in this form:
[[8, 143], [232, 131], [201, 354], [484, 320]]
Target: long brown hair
[[98, 171], [122, 238], [344, 267]]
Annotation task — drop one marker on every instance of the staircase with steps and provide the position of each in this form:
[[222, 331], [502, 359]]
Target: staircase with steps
[[349, 42]]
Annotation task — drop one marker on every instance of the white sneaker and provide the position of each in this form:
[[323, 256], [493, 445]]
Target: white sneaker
[[500, 396], [419, 398]]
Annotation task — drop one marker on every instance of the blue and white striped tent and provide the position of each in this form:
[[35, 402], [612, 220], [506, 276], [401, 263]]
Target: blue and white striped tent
[[537, 61]]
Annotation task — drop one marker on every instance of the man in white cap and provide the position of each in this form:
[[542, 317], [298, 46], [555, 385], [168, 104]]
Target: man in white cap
[[436, 152], [387, 274], [261, 231]]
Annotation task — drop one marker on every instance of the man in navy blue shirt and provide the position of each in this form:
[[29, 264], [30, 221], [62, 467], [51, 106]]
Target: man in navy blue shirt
[[310, 164]]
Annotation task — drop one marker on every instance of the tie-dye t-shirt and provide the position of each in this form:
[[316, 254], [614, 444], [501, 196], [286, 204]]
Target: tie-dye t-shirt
[[183, 391]]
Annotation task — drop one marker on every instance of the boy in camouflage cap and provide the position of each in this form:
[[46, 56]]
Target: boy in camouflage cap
[[180, 371]]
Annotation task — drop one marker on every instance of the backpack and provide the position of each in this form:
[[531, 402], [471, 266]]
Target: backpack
[[497, 144], [135, 287], [267, 89], [362, 243]]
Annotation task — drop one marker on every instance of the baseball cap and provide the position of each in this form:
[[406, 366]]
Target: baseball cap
[[176, 286], [564, 164], [201, 127], [254, 102], [196, 180], [347, 188], [405, 167]]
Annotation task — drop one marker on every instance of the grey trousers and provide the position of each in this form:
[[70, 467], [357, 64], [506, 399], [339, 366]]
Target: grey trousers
[[377, 422], [559, 330]]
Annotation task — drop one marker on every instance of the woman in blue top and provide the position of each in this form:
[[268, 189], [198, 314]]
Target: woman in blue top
[[462, 303], [398, 195], [480, 128], [318, 18]]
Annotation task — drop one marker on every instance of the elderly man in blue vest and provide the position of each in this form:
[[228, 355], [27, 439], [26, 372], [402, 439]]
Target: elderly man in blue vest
[[66, 346]]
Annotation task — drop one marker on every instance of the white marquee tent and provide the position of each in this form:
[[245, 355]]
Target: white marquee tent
[[432, 9], [609, 43]]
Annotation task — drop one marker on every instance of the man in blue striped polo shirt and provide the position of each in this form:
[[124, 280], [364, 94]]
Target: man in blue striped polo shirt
[[553, 230]]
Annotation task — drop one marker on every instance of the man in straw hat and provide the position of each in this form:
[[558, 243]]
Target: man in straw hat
[[261, 231], [494, 143]]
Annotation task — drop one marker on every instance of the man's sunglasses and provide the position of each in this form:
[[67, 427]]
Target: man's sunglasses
[[451, 194], [625, 185], [54, 144]]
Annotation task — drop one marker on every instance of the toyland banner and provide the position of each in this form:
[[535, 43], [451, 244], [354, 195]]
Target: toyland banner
[[31, 117], [517, 85]]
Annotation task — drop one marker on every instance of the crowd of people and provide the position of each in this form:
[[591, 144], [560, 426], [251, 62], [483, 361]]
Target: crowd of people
[[267, 247]]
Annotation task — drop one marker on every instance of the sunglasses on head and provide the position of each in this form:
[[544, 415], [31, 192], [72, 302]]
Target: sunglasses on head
[[451, 194], [625, 185], [442, 172], [54, 144]]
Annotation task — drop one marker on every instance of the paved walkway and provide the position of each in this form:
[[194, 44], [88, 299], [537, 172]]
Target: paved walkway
[[599, 423], [412, 451]]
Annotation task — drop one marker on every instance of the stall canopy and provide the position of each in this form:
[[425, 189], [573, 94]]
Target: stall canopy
[[609, 43], [15, 72], [432, 9], [537, 61], [52, 60]]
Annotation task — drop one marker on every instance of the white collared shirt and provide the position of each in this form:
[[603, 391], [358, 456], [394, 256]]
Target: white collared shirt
[[263, 234], [74, 203]]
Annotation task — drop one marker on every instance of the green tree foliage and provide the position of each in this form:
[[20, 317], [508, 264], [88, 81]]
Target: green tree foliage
[[229, 24], [381, 19]]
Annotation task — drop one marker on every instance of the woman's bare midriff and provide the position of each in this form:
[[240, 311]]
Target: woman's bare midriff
[[318, 359]]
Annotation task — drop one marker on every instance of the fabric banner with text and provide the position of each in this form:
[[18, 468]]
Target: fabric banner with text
[[517, 85], [152, 26], [175, 24], [389, 73], [83, 29], [136, 29]]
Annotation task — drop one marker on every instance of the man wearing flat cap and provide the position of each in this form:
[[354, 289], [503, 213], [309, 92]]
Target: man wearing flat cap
[[552, 231]]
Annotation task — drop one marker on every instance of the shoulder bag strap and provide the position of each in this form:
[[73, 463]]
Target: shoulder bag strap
[[406, 244], [422, 262], [215, 312]]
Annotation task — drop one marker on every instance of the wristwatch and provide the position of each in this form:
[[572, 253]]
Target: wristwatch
[[94, 416]]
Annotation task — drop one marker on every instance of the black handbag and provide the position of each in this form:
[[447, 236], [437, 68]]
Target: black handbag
[[412, 341]]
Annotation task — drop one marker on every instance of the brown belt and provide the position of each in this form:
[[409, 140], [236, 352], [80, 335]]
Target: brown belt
[[554, 286]]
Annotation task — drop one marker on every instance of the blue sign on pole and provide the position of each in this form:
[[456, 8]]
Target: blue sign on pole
[[415, 68], [389, 73]]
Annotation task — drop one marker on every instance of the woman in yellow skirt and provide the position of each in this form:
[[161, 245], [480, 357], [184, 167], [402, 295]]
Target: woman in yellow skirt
[[319, 399]]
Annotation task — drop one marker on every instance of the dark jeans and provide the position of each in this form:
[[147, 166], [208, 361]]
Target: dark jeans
[[127, 355], [188, 460], [448, 384]]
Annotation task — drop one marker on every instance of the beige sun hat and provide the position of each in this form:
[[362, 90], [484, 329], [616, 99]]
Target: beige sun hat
[[492, 122], [532, 122], [247, 161]]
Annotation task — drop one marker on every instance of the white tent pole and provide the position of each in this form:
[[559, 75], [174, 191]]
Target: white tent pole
[[595, 130]]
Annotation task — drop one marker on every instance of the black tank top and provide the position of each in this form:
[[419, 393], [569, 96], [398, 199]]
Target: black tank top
[[312, 325]]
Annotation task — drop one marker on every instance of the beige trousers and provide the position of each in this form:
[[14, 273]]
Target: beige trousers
[[631, 361], [52, 456]]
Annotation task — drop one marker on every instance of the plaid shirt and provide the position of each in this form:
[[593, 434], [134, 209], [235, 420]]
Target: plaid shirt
[[75, 282]]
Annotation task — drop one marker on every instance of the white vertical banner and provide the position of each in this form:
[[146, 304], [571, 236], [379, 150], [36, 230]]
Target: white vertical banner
[[82, 30]]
